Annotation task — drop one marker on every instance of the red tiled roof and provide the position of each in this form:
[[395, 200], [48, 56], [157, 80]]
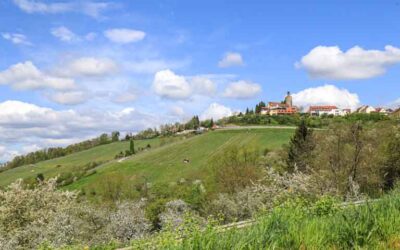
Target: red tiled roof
[[323, 108]]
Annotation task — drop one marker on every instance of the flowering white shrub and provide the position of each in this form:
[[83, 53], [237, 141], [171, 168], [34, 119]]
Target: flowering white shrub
[[270, 191], [128, 222], [25, 213], [174, 213], [32, 217]]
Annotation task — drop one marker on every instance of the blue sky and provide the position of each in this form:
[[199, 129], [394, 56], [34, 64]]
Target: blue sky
[[70, 70]]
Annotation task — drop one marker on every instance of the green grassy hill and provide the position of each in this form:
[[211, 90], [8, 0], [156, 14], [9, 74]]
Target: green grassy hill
[[51, 168], [166, 164], [163, 163]]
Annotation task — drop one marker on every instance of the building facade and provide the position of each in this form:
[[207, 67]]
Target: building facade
[[280, 108], [328, 110]]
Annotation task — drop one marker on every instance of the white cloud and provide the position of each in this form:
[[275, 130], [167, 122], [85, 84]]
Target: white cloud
[[24, 76], [69, 97], [326, 95], [90, 66], [16, 38], [231, 59], [242, 90], [31, 6], [203, 86], [94, 9], [124, 36], [169, 85], [64, 34], [216, 111], [356, 63], [28, 124], [89, 8]]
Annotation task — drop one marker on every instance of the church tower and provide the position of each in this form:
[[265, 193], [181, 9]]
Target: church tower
[[288, 100]]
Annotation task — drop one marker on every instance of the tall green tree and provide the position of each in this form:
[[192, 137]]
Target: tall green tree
[[103, 138], [115, 136], [196, 122], [259, 107], [132, 147], [300, 148]]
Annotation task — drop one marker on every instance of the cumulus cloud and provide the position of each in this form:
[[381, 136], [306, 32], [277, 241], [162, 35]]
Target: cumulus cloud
[[242, 90], [326, 95], [25, 76], [90, 66], [203, 85], [16, 38], [29, 124], [64, 34], [356, 63], [169, 85], [69, 97], [124, 36], [93, 9], [216, 111], [231, 59]]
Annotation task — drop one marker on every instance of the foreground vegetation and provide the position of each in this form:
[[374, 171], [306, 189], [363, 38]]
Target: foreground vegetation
[[297, 224]]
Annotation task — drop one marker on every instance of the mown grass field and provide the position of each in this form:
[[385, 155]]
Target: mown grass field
[[166, 164], [163, 163]]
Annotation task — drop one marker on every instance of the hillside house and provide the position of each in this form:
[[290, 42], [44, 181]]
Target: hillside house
[[366, 109], [280, 108], [382, 111], [327, 110]]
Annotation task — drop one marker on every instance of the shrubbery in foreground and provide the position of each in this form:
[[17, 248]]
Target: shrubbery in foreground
[[298, 224], [44, 216]]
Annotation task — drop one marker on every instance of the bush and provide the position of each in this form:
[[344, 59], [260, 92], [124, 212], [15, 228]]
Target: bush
[[236, 168], [273, 189], [173, 214], [128, 222], [30, 218]]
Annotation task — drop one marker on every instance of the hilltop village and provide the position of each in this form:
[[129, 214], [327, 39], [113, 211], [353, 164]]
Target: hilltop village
[[286, 107]]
